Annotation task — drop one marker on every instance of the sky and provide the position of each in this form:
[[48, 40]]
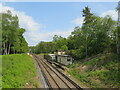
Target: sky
[[43, 20]]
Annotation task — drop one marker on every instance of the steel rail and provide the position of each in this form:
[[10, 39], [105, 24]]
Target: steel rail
[[48, 73], [57, 75], [47, 81], [71, 81]]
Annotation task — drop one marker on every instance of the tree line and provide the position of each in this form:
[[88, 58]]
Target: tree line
[[97, 35], [12, 35]]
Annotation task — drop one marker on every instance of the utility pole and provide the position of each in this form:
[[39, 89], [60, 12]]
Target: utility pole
[[117, 32]]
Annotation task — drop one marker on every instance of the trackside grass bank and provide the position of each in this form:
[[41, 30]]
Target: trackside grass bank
[[18, 71], [101, 72], [0, 72]]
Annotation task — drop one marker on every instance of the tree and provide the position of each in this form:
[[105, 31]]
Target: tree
[[55, 38], [88, 19], [99, 37], [118, 31], [64, 47], [71, 43], [9, 30], [22, 42], [0, 33], [12, 39]]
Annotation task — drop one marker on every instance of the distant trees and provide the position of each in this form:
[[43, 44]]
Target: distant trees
[[12, 35], [50, 47], [61, 43], [44, 47]]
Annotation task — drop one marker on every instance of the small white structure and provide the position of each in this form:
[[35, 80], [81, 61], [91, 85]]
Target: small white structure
[[28, 53], [60, 52], [52, 56], [64, 59]]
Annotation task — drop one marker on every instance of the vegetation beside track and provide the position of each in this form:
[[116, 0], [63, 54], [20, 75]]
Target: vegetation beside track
[[18, 71], [0, 72], [101, 72]]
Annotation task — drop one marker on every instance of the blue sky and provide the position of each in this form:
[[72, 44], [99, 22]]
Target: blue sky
[[44, 19]]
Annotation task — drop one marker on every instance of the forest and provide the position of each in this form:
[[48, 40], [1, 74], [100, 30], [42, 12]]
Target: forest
[[13, 40], [97, 35]]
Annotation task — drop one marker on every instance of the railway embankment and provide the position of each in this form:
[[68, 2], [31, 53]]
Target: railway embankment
[[18, 71], [100, 72]]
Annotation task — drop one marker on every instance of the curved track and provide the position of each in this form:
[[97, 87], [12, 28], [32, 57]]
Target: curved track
[[55, 78]]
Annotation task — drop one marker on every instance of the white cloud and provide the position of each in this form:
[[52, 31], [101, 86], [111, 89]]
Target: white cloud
[[78, 21], [25, 21], [111, 13], [48, 36], [34, 33]]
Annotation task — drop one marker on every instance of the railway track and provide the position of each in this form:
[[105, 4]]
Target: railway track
[[54, 78]]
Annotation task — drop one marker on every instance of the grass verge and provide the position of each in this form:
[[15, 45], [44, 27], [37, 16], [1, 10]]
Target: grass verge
[[101, 72], [18, 71], [0, 72]]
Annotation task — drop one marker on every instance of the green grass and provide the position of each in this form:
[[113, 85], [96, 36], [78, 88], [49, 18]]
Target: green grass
[[94, 61], [0, 72], [17, 70], [101, 72]]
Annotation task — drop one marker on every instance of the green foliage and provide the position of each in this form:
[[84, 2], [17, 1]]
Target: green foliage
[[17, 70], [44, 47], [12, 35], [97, 39], [94, 61], [56, 37], [50, 47], [64, 47], [99, 73], [76, 54], [0, 71], [83, 78]]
